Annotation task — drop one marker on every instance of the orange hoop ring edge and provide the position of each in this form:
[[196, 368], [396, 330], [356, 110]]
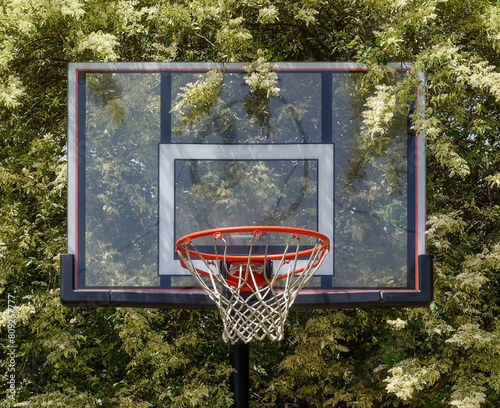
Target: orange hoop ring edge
[[325, 243]]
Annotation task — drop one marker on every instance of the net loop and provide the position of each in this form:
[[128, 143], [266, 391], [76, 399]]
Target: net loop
[[254, 288]]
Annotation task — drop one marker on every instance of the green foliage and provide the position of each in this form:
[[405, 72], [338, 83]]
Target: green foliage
[[446, 356]]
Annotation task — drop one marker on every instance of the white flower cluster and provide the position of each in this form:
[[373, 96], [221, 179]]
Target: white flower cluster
[[469, 402], [261, 76], [410, 376], [398, 4], [480, 75], [22, 313], [476, 73], [488, 259], [233, 37], [468, 397], [17, 14], [440, 53], [445, 153], [10, 92], [438, 226], [427, 11], [429, 124], [471, 281], [22, 17], [308, 15], [71, 8], [491, 18], [398, 323], [381, 109], [470, 335], [197, 97], [494, 180], [390, 37], [268, 15], [101, 44]]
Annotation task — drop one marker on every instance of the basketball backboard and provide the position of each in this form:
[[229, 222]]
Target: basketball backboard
[[146, 167]]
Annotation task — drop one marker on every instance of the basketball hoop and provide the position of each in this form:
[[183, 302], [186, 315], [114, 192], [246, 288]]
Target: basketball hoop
[[252, 283]]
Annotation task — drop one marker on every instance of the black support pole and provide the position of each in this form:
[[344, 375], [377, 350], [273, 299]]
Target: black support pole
[[239, 359]]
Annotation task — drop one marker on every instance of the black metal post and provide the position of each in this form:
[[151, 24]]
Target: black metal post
[[239, 358]]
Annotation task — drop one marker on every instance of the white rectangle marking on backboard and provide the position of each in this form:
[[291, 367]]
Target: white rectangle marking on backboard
[[71, 159], [421, 169], [324, 153]]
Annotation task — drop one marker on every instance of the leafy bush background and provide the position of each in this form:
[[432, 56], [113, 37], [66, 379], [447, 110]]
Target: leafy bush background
[[446, 355]]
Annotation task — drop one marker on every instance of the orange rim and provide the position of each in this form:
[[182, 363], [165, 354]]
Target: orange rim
[[217, 233]]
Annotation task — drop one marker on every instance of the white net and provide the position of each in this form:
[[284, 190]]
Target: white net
[[254, 293]]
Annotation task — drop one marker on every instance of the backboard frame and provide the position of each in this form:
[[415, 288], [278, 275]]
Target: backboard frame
[[74, 292]]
